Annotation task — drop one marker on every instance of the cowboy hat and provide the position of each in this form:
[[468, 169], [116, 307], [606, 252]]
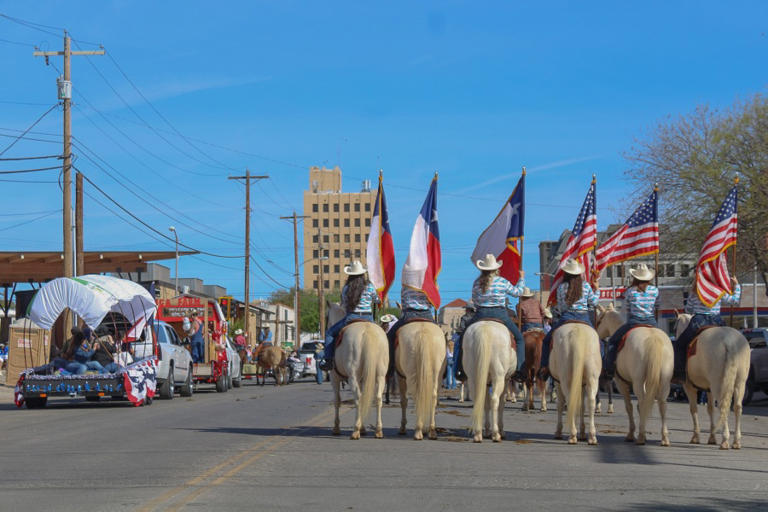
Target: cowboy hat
[[527, 292], [385, 319], [488, 263], [642, 272], [238, 331], [355, 268], [573, 267], [547, 312]]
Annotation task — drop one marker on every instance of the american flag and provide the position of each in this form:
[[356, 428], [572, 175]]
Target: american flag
[[637, 237], [583, 239], [712, 279]]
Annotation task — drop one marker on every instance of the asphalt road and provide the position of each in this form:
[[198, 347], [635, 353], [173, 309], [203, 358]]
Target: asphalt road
[[262, 448]]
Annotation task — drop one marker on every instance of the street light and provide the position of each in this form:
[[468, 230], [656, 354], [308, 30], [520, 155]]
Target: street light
[[176, 235]]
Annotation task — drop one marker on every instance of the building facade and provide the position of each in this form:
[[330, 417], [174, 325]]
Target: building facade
[[335, 229]]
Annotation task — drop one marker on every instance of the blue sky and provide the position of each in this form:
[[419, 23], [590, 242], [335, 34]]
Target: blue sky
[[473, 90]]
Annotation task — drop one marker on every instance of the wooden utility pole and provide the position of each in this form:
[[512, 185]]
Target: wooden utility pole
[[296, 297], [321, 286], [248, 177], [65, 94], [79, 259]]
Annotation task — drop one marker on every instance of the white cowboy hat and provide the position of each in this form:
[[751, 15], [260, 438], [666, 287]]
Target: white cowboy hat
[[385, 319], [527, 292], [488, 263], [238, 331], [573, 267], [355, 268], [642, 272], [547, 312]]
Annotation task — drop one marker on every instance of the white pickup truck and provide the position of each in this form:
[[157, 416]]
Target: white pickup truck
[[174, 362]]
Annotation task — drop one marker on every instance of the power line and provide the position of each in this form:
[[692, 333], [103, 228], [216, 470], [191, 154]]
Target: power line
[[30, 127], [32, 25], [30, 221], [28, 213], [267, 274], [29, 158], [22, 171], [124, 209], [16, 43]]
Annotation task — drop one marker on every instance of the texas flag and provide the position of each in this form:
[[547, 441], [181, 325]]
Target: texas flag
[[502, 236], [423, 263], [380, 253]]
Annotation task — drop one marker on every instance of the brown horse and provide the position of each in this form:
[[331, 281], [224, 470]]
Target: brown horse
[[272, 358], [533, 345]]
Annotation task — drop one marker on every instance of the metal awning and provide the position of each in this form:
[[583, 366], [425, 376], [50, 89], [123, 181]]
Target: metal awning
[[41, 266]]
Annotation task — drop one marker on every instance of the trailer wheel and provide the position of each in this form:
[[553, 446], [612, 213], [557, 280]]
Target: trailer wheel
[[186, 389], [36, 402], [221, 383], [237, 382]]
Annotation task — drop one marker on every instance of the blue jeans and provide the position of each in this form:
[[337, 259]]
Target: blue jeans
[[680, 345], [613, 342], [109, 368], [450, 378], [94, 366], [319, 375], [198, 351], [74, 368], [527, 326], [335, 329], [547, 343]]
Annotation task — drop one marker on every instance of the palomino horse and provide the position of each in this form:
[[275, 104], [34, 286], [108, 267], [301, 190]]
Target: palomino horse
[[719, 364], [488, 358], [533, 339], [272, 358], [575, 364], [360, 359], [419, 362], [646, 363]]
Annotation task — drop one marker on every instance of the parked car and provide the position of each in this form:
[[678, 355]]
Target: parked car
[[307, 353], [174, 362], [235, 368], [758, 368]]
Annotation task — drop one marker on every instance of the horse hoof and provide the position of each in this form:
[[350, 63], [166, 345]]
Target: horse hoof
[[724, 445], [630, 438], [592, 441], [694, 440], [598, 409], [401, 432], [496, 438], [665, 442], [379, 434], [572, 440], [418, 436], [712, 440], [640, 442], [558, 435], [543, 409], [355, 436], [336, 432], [433, 434], [610, 409], [478, 438], [736, 445]]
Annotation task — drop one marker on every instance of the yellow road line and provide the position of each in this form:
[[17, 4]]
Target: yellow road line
[[168, 496]]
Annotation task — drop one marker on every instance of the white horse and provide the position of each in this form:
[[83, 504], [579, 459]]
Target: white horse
[[645, 363], [361, 360], [575, 364], [720, 365], [488, 358], [419, 362]]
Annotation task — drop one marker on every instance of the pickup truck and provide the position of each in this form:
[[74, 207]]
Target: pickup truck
[[758, 368]]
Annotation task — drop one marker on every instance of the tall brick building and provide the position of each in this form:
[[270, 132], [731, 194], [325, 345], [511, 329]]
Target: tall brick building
[[336, 227]]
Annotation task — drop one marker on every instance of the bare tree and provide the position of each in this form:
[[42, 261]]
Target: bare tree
[[694, 159]]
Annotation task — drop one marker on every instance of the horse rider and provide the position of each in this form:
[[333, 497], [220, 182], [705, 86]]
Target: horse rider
[[414, 304], [357, 299], [387, 321], [464, 321], [530, 311], [641, 298], [574, 300], [195, 333], [489, 295], [703, 316]]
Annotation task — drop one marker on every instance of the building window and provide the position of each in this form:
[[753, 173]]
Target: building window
[[357, 223], [357, 207], [314, 207], [346, 207], [346, 238], [325, 253], [357, 253], [314, 223], [325, 207], [367, 207], [670, 270], [325, 223], [367, 222], [335, 207], [325, 238], [314, 239], [685, 270], [336, 268], [314, 284], [335, 239], [315, 269], [314, 253], [357, 237], [335, 223], [326, 268], [346, 223], [347, 253], [608, 272], [366, 238], [326, 285], [335, 253]]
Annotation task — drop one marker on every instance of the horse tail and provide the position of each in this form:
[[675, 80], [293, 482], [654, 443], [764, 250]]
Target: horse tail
[[425, 376], [728, 384], [578, 359], [482, 360], [652, 381], [370, 361]]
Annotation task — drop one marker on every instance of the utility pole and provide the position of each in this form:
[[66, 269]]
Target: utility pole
[[248, 177], [321, 285], [65, 94], [296, 297]]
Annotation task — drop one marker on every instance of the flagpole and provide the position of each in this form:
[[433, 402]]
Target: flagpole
[[656, 256], [733, 258], [519, 313]]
